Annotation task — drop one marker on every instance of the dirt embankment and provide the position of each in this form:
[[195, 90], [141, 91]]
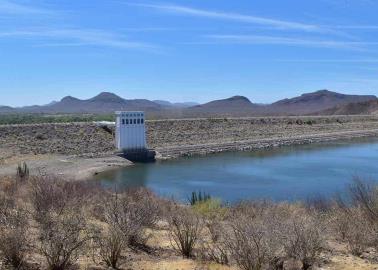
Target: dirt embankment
[[84, 141]]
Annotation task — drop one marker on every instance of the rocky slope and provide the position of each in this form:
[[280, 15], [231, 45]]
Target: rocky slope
[[91, 140]]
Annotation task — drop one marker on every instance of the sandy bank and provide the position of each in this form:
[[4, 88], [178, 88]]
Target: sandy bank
[[67, 167]]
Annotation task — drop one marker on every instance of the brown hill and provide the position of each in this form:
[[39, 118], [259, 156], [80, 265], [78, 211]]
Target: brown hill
[[366, 107], [314, 102], [6, 109], [319, 102], [233, 106], [103, 103]]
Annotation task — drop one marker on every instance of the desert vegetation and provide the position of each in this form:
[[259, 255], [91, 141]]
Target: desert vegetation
[[35, 118], [50, 223]]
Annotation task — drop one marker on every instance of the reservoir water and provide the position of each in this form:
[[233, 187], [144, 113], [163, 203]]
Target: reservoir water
[[286, 173]]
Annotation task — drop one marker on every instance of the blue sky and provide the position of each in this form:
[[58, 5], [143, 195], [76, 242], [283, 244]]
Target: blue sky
[[192, 50]]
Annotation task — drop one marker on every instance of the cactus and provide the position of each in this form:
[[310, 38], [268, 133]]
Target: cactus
[[198, 197], [22, 171]]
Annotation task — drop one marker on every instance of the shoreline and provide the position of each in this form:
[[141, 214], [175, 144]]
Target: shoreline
[[78, 151], [84, 167], [250, 145], [69, 167]]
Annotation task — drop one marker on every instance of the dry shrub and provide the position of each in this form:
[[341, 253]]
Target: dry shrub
[[149, 204], [365, 196], [356, 220], [185, 227], [253, 239], [62, 226], [213, 215], [109, 243], [263, 235], [51, 194], [303, 238], [14, 240], [360, 234], [126, 216], [132, 212], [215, 248]]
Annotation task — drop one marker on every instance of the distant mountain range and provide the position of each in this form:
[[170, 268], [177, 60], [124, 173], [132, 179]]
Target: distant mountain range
[[318, 103], [176, 104]]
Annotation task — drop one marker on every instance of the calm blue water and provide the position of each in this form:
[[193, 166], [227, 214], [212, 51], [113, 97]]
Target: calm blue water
[[287, 173]]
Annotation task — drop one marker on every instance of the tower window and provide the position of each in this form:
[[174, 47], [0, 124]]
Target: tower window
[[123, 121]]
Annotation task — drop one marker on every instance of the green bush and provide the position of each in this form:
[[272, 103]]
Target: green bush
[[11, 119], [210, 208]]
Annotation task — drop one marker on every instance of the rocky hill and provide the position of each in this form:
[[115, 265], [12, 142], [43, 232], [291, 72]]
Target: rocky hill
[[233, 106], [105, 102], [175, 104], [366, 107], [314, 102], [6, 109]]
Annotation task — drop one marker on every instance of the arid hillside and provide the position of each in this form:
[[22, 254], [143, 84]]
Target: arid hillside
[[354, 108]]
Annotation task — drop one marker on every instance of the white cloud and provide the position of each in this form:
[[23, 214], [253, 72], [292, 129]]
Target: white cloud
[[78, 37], [273, 40], [364, 61], [282, 24], [356, 27], [11, 7]]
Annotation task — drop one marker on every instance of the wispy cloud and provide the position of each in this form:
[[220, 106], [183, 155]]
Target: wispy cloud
[[288, 41], [183, 10], [364, 61], [151, 29], [78, 37], [13, 8], [356, 27]]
